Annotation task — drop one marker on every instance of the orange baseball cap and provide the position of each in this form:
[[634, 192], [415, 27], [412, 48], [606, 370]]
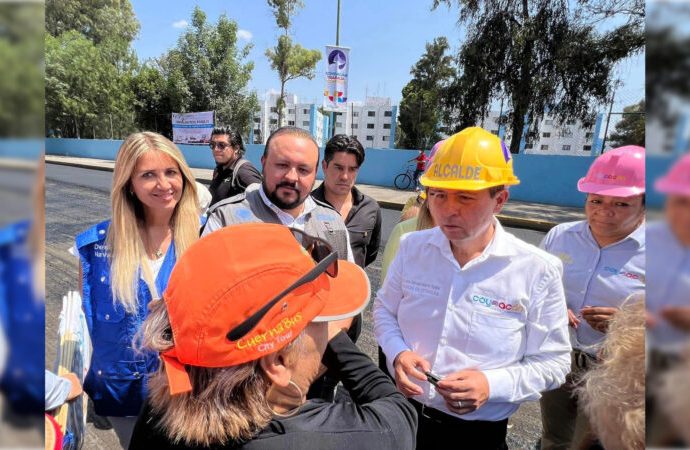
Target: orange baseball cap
[[232, 297]]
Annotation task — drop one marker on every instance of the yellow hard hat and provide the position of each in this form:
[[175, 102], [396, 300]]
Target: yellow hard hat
[[470, 160]]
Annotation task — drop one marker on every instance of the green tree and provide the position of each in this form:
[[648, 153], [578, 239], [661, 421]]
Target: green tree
[[84, 92], [541, 55], [207, 70], [151, 100], [288, 59], [21, 83], [630, 130], [420, 116], [89, 67]]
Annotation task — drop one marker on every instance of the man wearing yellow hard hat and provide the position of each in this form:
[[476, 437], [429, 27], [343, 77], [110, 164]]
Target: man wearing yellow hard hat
[[472, 319]]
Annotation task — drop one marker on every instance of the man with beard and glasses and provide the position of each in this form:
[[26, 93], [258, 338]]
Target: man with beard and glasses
[[289, 164]]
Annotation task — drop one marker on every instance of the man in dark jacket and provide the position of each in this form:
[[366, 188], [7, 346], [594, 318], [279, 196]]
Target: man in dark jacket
[[233, 173], [343, 157]]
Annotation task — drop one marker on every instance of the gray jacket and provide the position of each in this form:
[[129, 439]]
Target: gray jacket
[[323, 222]]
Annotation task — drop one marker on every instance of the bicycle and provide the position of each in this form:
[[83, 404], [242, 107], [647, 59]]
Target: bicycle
[[404, 180]]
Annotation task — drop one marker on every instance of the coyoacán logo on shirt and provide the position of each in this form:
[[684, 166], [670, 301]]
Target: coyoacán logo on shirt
[[500, 305]]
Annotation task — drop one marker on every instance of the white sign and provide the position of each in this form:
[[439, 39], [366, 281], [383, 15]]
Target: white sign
[[192, 128], [335, 94]]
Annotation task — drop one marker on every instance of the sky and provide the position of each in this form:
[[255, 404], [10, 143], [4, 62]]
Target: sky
[[386, 38]]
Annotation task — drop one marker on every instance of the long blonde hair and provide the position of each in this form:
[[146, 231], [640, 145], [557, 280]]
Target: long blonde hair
[[127, 251]]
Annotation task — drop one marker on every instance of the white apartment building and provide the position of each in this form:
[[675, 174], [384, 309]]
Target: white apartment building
[[301, 115], [570, 138], [372, 122]]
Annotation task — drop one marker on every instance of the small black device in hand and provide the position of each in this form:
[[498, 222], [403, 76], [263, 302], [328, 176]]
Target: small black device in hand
[[432, 378]]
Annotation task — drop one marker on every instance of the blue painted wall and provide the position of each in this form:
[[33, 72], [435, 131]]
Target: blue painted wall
[[544, 179], [30, 149]]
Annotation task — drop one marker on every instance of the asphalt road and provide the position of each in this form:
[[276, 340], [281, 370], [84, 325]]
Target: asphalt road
[[77, 198]]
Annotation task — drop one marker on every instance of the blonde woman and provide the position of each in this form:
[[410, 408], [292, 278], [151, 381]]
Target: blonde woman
[[125, 262]]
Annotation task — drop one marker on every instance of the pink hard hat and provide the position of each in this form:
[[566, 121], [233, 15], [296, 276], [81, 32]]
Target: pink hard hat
[[618, 173], [677, 180], [433, 151]]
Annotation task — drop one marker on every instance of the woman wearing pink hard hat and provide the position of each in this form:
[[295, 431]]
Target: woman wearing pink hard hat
[[603, 263], [668, 298]]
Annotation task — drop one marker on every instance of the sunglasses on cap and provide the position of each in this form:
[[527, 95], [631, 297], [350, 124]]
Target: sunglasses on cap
[[327, 262]]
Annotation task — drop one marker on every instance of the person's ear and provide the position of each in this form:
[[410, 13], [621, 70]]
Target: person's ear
[[501, 199], [275, 368], [324, 165]]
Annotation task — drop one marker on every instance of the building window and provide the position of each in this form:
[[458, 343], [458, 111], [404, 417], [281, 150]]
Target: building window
[[370, 126], [529, 146], [546, 135], [355, 114], [566, 148], [305, 111], [291, 111], [545, 147], [305, 123], [257, 120], [274, 109], [495, 132], [570, 122], [371, 113], [355, 126], [589, 135], [387, 113], [385, 138], [548, 122], [386, 126], [273, 121], [291, 123], [339, 124], [370, 138], [587, 148]]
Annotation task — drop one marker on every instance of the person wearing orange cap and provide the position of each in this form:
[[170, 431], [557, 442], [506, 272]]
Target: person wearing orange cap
[[471, 319], [242, 335], [668, 288], [604, 263]]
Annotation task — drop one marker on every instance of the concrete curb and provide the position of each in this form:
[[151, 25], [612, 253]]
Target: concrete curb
[[509, 221]]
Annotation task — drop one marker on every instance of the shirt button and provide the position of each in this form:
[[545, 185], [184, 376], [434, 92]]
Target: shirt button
[[107, 317], [101, 231], [136, 375], [100, 373], [102, 279]]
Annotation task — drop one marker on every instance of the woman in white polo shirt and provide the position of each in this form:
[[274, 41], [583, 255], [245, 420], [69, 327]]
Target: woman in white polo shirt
[[603, 263]]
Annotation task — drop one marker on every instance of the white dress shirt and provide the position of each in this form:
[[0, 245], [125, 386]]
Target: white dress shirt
[[300, 221], [595, 276], [668, 284], [502, 313]]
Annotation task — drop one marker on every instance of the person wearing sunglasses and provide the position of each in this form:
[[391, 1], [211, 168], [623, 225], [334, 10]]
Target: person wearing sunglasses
[[242, 338], [233, 173]]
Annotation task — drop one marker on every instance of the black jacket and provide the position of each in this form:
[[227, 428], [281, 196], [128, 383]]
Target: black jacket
[[363, 224], [379, 417], [222, 187]]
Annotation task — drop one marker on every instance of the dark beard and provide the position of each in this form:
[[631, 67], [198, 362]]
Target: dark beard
[[273, 196]]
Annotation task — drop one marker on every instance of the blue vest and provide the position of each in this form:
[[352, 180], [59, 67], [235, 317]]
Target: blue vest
[[23, 320], [117, 378]]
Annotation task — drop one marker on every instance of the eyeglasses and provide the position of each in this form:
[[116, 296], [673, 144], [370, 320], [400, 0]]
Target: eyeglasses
[[220, 145], [327, 262]]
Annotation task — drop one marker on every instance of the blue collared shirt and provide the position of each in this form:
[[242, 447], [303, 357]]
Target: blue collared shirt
[[595, 276], [668, 283]]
